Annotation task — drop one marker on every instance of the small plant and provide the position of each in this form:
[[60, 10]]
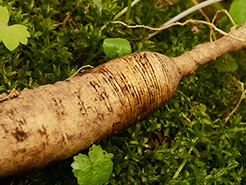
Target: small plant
[[116, 47], [238, 11], [93, 169], [13, 35]]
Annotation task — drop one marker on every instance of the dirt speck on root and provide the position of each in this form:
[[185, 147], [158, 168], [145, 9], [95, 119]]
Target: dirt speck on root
[[19, 135]]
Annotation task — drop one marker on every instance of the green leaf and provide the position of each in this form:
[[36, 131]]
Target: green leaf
[[238, 11], [226, 64], [4, 15], [94, 169], [11, 35], [115, 47]]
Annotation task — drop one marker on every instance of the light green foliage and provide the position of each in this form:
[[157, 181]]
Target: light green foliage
[[11, 36], [115, 47], [190, 127], [238, 11], [93, 169], [226, 63]]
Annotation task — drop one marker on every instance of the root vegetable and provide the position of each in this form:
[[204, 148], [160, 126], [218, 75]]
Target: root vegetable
[[53, 122]]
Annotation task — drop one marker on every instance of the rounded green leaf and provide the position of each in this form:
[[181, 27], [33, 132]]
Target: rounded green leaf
[[238, 11], [116, 47], [94, 169], [4, 15]]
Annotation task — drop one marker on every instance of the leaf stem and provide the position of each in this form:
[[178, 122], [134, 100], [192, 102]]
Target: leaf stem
[[128, 10], [239, 102], [125, 9], [119, 14], [182, 165]]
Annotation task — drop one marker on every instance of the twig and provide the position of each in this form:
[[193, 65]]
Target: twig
[[207, 19], [243, 95], [80, 70], [181, 24], [228, 15], [185, 13], [215, 16], [10, 94]]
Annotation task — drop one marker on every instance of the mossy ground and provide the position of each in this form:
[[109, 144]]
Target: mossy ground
[[188, 138]]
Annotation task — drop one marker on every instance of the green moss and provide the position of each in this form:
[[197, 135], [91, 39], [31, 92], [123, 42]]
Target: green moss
[[189, 133]]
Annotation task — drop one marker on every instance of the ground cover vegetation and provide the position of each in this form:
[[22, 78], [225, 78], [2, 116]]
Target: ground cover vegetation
[[188, 141]]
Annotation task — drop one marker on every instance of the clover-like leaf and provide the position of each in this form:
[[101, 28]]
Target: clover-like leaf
[[94, 169], [11, 35], [115, 47]]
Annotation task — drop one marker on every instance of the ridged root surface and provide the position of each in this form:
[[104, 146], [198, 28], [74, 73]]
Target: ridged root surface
[[53, 122]]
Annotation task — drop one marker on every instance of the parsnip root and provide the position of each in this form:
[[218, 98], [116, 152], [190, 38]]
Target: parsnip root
[[53, 122]]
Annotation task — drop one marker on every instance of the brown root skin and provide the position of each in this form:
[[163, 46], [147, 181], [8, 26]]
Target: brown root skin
[[204, 53], [53, 122]]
